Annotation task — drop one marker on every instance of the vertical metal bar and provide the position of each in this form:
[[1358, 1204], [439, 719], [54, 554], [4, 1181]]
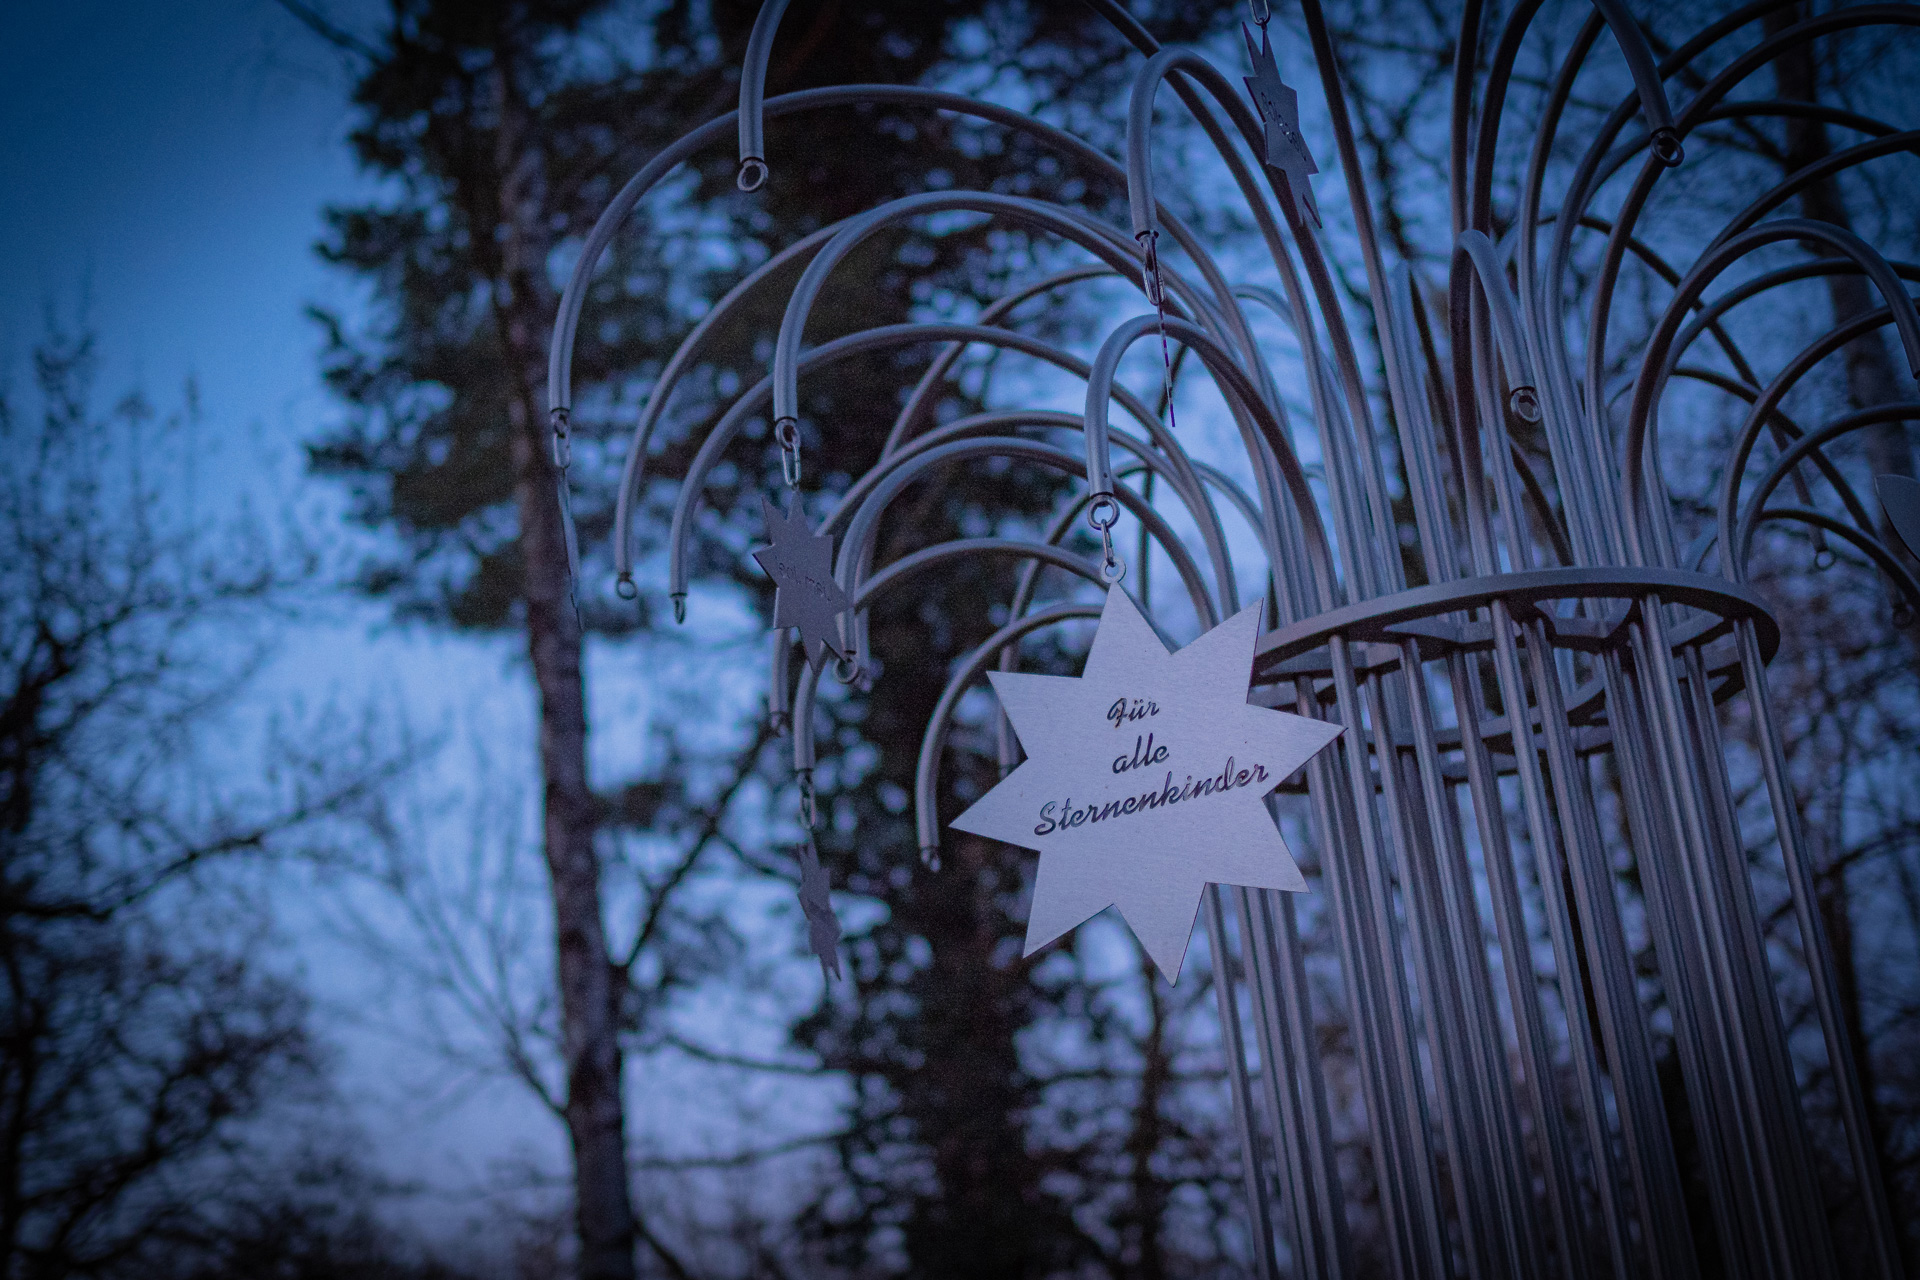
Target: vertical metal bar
[[1523, 984], [1409, 1166], [1492, 1083], [1849, 1096], [1550, 862], [1234, 1047], [1644, 1136]]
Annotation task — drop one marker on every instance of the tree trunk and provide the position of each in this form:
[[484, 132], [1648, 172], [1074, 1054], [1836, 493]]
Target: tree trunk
[[589, 993]]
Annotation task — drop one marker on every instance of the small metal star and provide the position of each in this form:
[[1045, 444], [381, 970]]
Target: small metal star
[[1280, 108], [823, 926], [800, 562]]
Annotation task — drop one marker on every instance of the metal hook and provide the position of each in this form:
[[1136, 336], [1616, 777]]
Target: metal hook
[[786, 431]]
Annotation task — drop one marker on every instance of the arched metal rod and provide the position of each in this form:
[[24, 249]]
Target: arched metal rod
[[926, 781], [1710, 95], [1173, 463], [1097, 239], [757, 396], [866, 518], [1713, 309], [1826, 167], [1235, 386], [1872, 547], [1040, 554], [1652, 376], [1785, 430], [573, 298], [1768, 401], [943, 363], [1545, 290], [664, 385], [753, 89], [1708, 320], [1743, 535], [1334, 444], [1583, 183]]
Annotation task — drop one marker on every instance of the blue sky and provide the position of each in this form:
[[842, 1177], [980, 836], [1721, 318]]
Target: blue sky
[[168, 163]]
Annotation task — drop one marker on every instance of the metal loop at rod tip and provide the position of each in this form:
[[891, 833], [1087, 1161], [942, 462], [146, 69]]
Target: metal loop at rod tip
[[1260, 11]]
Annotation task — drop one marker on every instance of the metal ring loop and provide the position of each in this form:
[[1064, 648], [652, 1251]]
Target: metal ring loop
[[1150, 267], [752, 173], [846, 668], [1112, 569], [1103, 512], [786, 431], [1260, 11], [626, 588]]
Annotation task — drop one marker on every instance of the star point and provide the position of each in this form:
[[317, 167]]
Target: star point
[[1145, 780]]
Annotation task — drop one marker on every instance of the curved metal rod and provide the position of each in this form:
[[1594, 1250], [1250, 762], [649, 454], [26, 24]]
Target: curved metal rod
[[664, 385], [1709, 95], [1828, 166], [1040, 553], [1743, 535], [1712, 310], [990, 314], [1785, 430], [655, 170], [1652, 375], [1235, 385], [756, 396], [1172, 463], [866, 519], [1095, 238], [1767, 403], [926, 780], [1872, 547], [753, 90]]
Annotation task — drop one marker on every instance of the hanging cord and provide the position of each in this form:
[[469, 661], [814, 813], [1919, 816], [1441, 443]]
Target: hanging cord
[[1157, 295]]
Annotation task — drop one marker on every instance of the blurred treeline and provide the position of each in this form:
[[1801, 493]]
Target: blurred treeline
[[952, 1109]]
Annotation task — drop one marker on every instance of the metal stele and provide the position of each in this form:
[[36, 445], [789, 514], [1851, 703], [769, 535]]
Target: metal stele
[[807, 596], [1146, 780]]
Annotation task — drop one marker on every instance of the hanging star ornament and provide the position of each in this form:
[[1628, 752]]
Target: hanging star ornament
[[1146, 780], [806, 596], [823, 926], [1279, 107]]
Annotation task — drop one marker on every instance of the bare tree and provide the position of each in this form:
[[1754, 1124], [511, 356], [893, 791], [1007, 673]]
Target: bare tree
[[144, 1050]]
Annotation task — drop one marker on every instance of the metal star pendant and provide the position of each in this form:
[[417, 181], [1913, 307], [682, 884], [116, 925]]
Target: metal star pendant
[[823, 926], [1280, 107], [806, 596], [1146, 780]]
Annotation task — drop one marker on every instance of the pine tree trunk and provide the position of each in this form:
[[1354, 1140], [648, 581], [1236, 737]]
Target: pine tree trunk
[[589, 994]]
